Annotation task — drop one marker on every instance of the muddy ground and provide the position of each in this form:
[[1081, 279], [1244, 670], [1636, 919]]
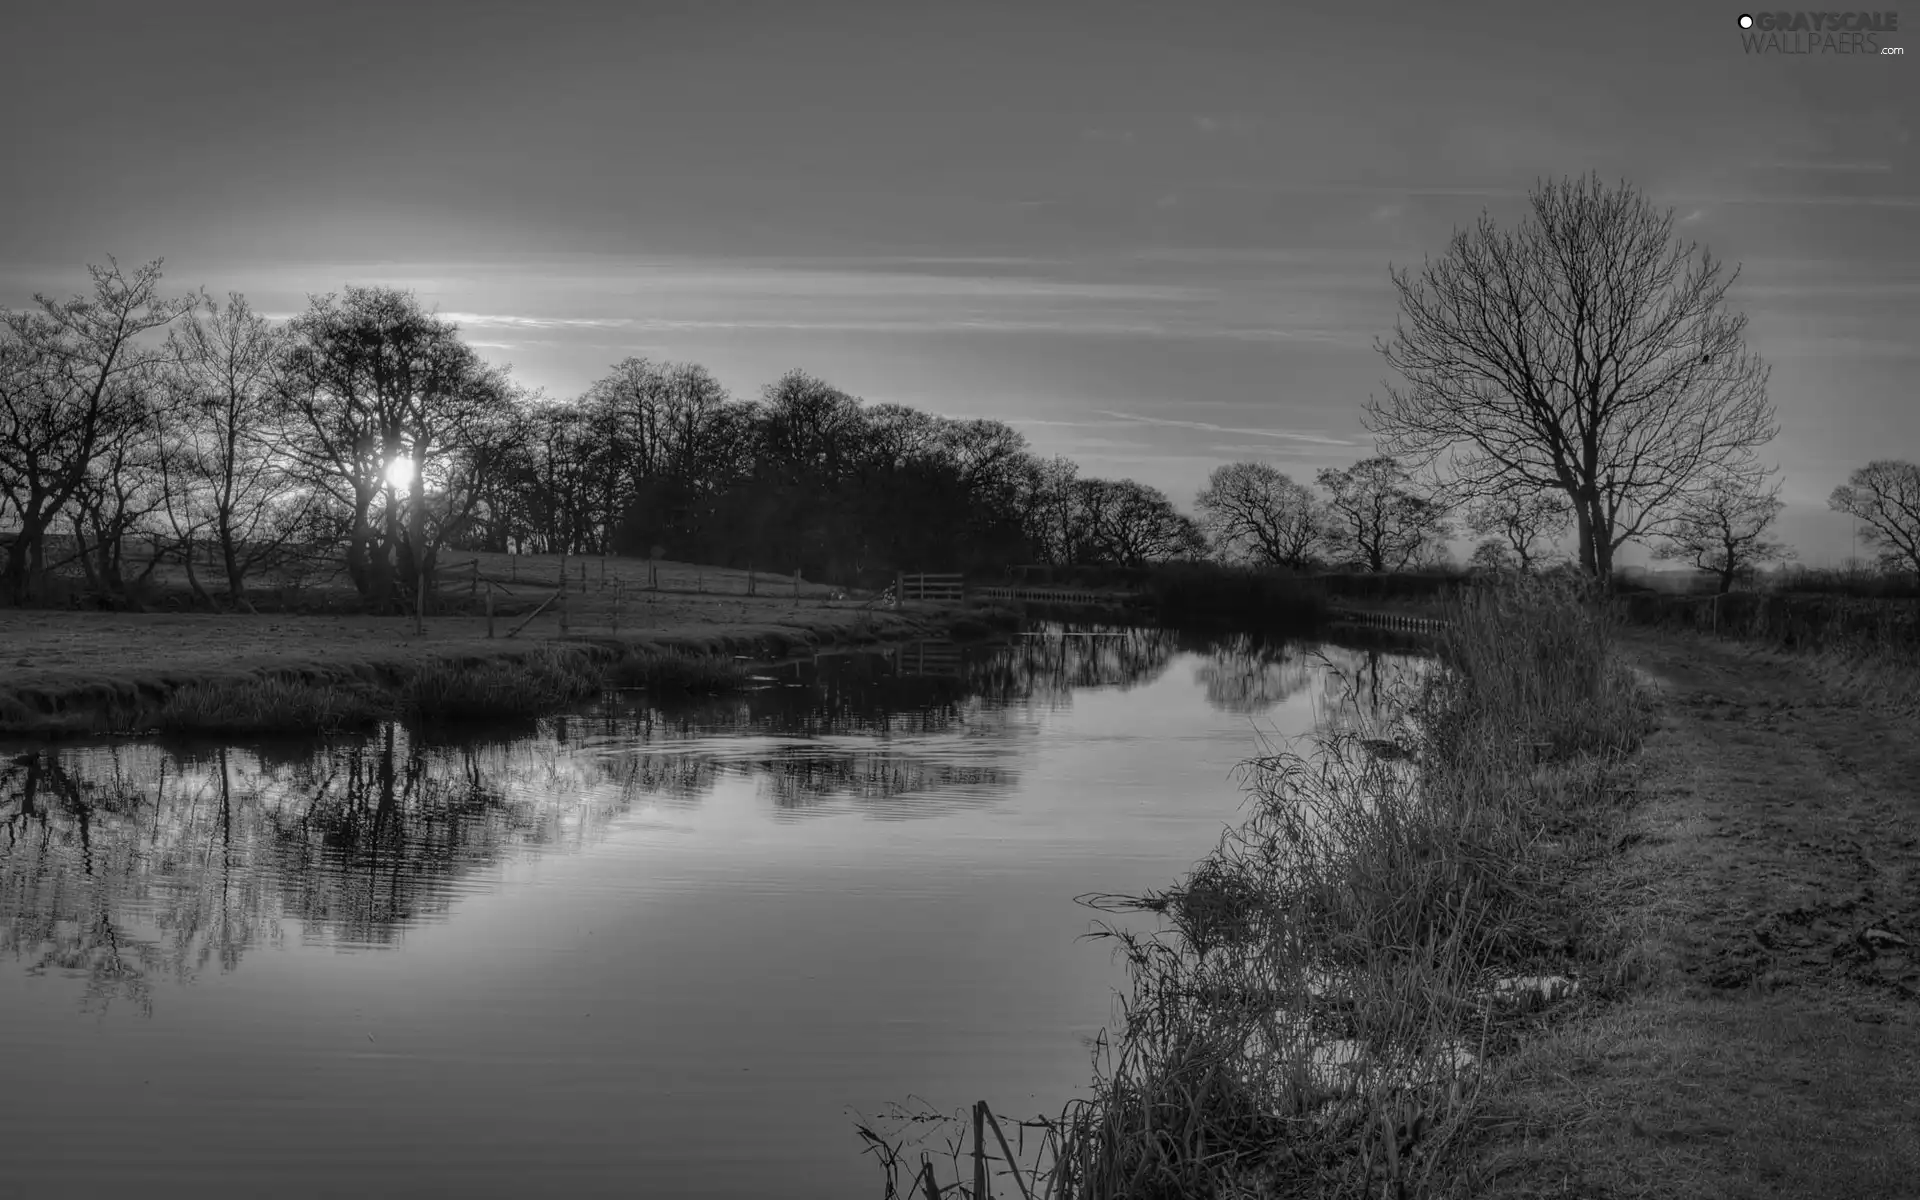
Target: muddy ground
[[1771, 893]]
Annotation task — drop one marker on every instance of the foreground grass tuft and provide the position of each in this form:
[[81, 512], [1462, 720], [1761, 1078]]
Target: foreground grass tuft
[[254, 706], [498, 689], [670, 671]]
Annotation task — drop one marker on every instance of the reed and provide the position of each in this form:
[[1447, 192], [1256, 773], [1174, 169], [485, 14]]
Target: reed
[[270, 705], [538, 682], [673, 671], [1311, 1014]]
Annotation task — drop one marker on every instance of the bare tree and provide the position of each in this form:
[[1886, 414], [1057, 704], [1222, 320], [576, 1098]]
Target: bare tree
[[1723, 529], [65, 371], [1376, 517], [124, 487], [1493, 556], [1522, 521], [1125, 522], [228, 476], [1587, 352], [383, 398], [1886, 495], [1250, 510]]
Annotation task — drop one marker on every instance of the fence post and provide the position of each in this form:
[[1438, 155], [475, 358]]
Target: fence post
[[563, 610], [616, 605], [489, 610], [603, 569], [796, 583], [420, 599], [749, 579], [980, 1150], [513, 567], [473, 581], [583, 577], [563, 571]]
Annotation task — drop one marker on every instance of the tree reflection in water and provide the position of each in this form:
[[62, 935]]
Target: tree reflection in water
[[137, 862]]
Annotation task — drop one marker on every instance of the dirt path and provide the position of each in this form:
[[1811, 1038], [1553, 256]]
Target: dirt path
[[1772, 1044]]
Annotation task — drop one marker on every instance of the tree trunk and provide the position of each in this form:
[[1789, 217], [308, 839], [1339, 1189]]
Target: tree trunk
[[193, 577], [236, 573], [86, 559], [1583, 519]]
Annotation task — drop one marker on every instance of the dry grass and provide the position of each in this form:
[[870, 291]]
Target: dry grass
[[1318, 1012], [270, 705], [1758, 1043]]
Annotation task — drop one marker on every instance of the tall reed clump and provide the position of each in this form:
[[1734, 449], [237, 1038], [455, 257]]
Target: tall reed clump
[[269, 705], [475, 690], [667, 671], [1313, 1013]]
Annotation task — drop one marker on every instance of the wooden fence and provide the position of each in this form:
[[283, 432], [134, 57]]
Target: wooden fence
[[930, 589], [1386, 620], [927, 659], [1053, 595]]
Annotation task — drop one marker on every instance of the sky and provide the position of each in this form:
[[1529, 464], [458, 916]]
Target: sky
[[1155, 237]]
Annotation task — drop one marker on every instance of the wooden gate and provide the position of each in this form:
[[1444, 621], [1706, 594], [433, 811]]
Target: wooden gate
[[941, 589]]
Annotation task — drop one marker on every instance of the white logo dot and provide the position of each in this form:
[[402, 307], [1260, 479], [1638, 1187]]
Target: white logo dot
[[1746, 22]]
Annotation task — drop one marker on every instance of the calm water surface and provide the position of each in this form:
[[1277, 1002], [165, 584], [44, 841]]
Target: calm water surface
[[644, 949]]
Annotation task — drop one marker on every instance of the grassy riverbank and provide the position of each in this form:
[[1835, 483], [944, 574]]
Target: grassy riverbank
[[1766, 897], [1335, 981], [91, 672]]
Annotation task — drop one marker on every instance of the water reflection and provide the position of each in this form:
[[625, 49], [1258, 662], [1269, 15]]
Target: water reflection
[[128, 863], [590, 950]]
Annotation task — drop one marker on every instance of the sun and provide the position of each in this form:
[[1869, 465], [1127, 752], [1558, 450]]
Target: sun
[[400, 473]]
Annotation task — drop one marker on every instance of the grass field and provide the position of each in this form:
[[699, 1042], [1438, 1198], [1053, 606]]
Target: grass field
[[63, 670]]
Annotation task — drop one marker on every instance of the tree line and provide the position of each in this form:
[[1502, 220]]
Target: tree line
[[138, 429], [1579, 374]]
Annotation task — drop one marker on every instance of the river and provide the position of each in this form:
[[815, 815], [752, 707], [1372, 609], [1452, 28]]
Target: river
[[640, 949]]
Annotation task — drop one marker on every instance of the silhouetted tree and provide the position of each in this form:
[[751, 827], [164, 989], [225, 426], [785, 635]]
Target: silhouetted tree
[[1377, 518], [1522, 520], [74, 380], [385, 400], [1886, 495], [1586, 352], [1122, 522], [1723, 529], [227, 478], [1252, 512]]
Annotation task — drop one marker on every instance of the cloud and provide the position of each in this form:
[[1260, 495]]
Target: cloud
[[1291, 435], [1698, 214], [507, 321], [1218, 126], [1852, 167], [1889, 201], [1839, 347]]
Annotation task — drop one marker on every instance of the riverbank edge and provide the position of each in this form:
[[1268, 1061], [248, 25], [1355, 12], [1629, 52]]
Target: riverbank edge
[[1188, 1102], [96, 704]]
